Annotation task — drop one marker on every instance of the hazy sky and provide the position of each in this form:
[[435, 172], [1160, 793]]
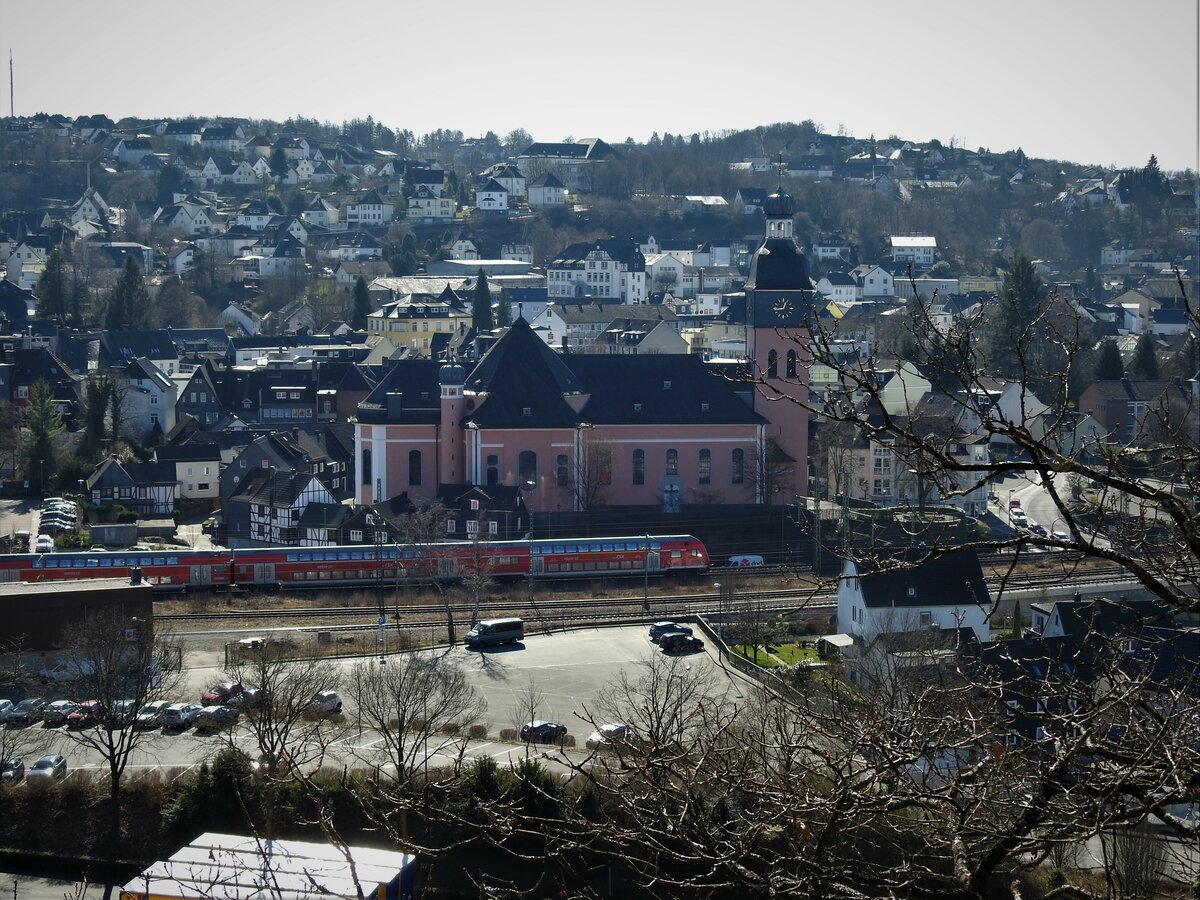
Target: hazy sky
[[1093, 81]]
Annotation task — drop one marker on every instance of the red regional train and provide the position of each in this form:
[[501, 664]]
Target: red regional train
[[280, 567]]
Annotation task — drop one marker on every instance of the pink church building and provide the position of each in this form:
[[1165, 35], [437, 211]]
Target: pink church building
[[579, 431]]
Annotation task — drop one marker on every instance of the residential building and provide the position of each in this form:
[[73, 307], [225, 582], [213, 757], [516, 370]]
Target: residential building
[[604, 270]]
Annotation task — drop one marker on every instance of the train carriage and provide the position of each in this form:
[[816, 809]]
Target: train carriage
[[364, 565]]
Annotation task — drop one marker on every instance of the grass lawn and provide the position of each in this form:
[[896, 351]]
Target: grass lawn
[[747, 653], [793, 655]]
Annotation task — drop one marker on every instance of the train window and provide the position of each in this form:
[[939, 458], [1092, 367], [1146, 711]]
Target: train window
[[146, 561], [607, 548], [105, 563], [291, 557], [590, 567], [172, 560], [578, 567], [159, 560], [305, 557], [558, 548], [92, 563], [344, 554], [297, 576], [675, 554], [356, 554], [325, 573], [656, 545]]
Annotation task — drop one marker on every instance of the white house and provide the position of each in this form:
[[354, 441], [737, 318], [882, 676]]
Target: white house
[[546, 190], [491, 196], [370, 210], [944, 591], [320, 213], [876, 281], [148, 398], [838, 286], [919, 250]]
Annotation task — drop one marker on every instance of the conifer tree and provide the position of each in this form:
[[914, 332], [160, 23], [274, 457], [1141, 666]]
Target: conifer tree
[[360, 305], [481, 305], [52, 290], [128, 303], [1109, 366], [1144, 364], [45, 425], [504, 315]]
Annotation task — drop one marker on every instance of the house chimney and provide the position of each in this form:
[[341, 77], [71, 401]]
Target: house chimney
[[395, 404], [295, 432]]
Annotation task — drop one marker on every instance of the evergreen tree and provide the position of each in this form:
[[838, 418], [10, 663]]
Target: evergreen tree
[[53, 292], [278, 162], [360, 305], [1144, 365], [1013, 314], [1109, 366], [95, 417], [481, 305], [45, 425], [504, 315], [128, 307]]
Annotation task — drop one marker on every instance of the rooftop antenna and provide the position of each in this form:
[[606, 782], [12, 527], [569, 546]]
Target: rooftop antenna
[[11, 107]]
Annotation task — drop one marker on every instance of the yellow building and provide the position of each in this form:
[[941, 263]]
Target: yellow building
[[415, 320]]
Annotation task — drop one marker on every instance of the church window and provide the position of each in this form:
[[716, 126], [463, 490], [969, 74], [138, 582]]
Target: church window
[[527, 468], [672, 462], [562, 470], [791, 364], [366, 466], [414, 467], [493, 469], [773, 364], [738, 466], [705, 466], [639, 466]]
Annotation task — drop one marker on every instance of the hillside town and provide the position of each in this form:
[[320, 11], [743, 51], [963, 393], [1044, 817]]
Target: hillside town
[[946, 400]]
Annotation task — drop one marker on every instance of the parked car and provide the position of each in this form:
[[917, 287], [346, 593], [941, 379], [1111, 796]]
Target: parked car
[[5, 707], [1018, 518], [12, 769], [1037, 529], [214, 718], [56, 713], [249, 698], [221, 692], [51, 766], [90, 713], [1060, 535], [606, 734], [180, 715], [681, 643], [123, 712], [27, 711], [1014, 502], [324, 703], [658, 629], [151, 715], [271, 764], [540, 731], [43, 544]]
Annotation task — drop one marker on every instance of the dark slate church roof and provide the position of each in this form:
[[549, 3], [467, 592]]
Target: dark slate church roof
[[657, 389], [779, 265]]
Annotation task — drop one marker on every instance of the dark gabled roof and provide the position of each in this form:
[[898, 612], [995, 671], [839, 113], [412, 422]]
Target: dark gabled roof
[[492, 496], [416, 383], [492, 186], [546, 180], [633, 390], [948, 579], [841, 279], [623, 250], [525, 382], [592, 149], [324, 515], [193, 452]]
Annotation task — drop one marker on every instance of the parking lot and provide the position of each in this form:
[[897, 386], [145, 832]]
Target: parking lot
[[567, 671]]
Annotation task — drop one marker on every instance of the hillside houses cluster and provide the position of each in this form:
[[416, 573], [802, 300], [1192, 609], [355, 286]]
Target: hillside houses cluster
[[690, 319]]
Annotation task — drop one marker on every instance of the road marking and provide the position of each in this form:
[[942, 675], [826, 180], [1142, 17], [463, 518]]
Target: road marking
[[475, 747]]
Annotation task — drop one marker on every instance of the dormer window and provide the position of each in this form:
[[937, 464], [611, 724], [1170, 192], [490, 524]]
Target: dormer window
[[704, 407], [637, 407], [527, 410], [912, 591], [666, 385]]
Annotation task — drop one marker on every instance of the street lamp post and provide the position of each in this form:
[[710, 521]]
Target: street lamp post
[[720, 610]]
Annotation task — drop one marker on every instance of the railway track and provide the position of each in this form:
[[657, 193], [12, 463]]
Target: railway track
[[775, 600]]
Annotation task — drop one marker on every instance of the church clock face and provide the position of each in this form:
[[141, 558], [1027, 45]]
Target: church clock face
[[783, 308]]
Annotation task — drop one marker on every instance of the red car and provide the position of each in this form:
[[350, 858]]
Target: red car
[[221, 692], [90, 713]]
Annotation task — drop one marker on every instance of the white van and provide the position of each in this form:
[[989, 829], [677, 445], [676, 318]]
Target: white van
[[746, 559]]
